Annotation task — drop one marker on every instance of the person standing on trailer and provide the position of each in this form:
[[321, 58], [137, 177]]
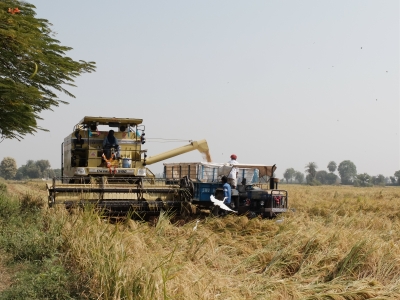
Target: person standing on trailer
[[232, 177]]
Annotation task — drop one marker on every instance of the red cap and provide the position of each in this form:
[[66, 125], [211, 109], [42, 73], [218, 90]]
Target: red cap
[[233, 156]]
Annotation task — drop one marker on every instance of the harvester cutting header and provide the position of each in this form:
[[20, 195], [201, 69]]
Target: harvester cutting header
[[103, 163]]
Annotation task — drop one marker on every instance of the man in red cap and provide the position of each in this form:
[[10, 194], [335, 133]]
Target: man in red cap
[[232, 177]]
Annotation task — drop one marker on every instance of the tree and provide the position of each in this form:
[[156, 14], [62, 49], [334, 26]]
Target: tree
[[299, 177], [392, 179], [33, 66], [363, 180], [29, 170], [54, 173], [8, 168], [332, 166], [321, 176], [20, 174], [347, 171], [311, 170], [289, 174], [37, 169], [397, 176], [331, 178], [379, 180], [44, 166]]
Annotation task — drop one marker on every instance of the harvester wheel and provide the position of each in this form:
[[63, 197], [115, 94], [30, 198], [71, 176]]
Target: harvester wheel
[[51, 201], [186, 209]]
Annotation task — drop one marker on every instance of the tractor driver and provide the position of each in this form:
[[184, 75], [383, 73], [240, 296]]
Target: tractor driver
[[227, 190], [110, 141]]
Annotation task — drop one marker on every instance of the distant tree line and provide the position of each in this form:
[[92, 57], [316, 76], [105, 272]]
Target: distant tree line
[[32, 169], [347, 175]]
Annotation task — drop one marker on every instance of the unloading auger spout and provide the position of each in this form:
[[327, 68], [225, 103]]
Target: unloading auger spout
[[201, 146]]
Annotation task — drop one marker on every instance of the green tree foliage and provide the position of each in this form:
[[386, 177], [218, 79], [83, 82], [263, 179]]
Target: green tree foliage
[[332, 166], [289, 174], [33, 67], [379, 180], [43, 165], [331, 178], [312, 181], [35, 169], [55, 173], [397, 176], [299, 177], [363, 180], [321, 176], [347, 171], [311, 170], [8, 168]]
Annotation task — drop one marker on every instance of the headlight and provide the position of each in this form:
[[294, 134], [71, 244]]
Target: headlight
[[141, 172], [262, 203], [80, 171]]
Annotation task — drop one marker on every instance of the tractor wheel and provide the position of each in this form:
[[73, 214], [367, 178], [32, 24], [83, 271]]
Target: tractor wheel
[[251, 214], [214, 211]]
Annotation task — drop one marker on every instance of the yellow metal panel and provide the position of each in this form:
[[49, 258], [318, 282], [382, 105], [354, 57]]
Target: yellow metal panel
[[106, 120]]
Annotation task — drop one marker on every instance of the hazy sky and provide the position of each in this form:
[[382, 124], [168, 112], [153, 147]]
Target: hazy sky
[[275, 82]]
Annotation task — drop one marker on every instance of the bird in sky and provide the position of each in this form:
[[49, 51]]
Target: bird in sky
[[195, 226], [221, 204]]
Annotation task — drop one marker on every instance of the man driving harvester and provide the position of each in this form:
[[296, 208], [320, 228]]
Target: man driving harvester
[[110, 141]]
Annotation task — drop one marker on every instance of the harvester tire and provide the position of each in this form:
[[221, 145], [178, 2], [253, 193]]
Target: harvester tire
[[186, 209], [51, 201]]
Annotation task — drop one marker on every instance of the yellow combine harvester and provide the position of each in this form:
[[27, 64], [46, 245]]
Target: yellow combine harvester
[[108, 168]]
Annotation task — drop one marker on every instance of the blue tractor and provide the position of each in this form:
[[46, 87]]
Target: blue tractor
[[256, 194]]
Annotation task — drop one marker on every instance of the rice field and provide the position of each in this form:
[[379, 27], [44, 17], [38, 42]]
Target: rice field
[[341, 242]]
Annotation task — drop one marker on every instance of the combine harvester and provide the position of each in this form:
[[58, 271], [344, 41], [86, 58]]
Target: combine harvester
[[116, 178]]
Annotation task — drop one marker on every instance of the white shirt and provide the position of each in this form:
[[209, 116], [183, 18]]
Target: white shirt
[[234, 170]]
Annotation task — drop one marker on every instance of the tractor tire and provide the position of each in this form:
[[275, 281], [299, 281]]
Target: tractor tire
[[251, 215]]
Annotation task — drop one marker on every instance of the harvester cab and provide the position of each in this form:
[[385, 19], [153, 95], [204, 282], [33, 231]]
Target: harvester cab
[[91, 151]]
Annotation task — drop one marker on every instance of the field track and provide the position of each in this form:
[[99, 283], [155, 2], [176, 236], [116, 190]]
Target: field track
[[18, 189]]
